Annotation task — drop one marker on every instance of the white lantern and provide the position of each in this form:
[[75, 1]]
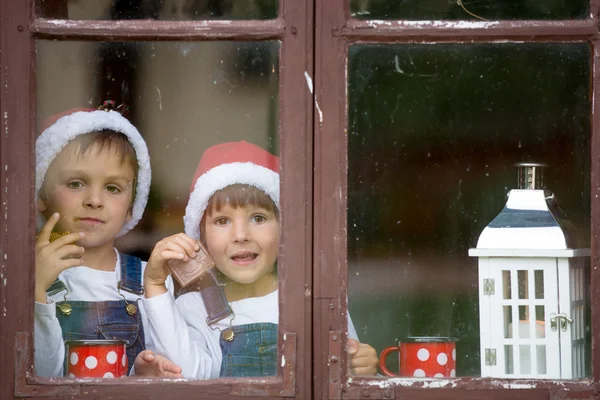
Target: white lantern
[[532, 289]]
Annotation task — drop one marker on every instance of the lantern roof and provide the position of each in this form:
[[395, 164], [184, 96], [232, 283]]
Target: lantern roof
[[530, 221]]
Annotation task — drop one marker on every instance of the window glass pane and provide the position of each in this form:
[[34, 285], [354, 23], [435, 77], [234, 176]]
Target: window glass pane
[[183, 98], [157, 9], [470, 9], [434, 133]]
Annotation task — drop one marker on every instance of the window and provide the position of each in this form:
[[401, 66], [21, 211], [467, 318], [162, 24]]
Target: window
[[71, 53], [398, 125], [417, 140]]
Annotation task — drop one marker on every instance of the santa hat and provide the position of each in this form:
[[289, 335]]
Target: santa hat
[[62, 128], [224, 165]]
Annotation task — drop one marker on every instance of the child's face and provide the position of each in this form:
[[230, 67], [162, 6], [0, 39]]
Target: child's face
[[92, 192], [243, 241]]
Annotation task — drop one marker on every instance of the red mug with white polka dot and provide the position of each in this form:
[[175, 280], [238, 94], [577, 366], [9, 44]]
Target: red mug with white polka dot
[[96, 358], [423, 357]]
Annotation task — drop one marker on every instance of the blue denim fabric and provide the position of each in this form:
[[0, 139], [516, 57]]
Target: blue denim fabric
[[107, 320], [252, 352]]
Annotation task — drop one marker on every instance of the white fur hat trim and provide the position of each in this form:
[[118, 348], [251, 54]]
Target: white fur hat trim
[[219, 178], [56, 137]]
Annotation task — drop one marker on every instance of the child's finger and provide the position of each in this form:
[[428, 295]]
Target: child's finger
[[69, 263], [172, 255], [186, 243], [69, 251], [148, 356], [44, 237], [167, 366]]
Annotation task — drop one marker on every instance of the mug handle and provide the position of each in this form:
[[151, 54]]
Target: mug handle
[[383, 357]]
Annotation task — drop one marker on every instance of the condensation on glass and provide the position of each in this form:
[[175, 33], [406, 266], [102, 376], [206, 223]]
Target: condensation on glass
[[476, 10], [170, 10], [442, 126], [183, 97]]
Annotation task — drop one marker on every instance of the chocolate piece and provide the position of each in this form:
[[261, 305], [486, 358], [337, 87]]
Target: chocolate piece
[[57, 235], [188, 271]]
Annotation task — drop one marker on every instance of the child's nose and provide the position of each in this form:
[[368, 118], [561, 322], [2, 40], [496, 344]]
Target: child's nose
[[93, 198], [241, 232]]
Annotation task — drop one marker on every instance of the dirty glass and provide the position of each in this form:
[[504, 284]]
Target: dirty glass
[[434, 133], [183, 98], [476, 10], [169, 10]]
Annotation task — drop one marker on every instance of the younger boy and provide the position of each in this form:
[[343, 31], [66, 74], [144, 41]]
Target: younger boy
[[92, 182], [234, 210]]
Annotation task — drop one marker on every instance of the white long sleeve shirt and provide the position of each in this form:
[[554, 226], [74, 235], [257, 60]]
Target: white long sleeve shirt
[[178, 330], [83, 284]]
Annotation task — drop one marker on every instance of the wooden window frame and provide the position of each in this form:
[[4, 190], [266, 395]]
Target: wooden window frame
[[19, 30], [335, 31]]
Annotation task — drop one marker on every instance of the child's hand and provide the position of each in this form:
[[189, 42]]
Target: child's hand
[[363, 358], [176, 247], [149, 364], [53, 258]]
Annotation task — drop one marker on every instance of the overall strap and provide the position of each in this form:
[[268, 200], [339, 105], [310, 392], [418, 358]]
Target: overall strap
[[131, 274], [215, 302], [56, 287]]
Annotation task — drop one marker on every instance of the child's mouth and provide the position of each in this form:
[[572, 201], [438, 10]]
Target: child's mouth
[[90, 221], [244, 257]]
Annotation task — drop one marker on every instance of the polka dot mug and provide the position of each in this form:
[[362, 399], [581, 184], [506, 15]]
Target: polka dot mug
[[423, 357], [96, 358]]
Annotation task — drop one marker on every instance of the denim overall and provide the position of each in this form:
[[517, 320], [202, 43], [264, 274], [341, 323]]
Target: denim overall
[[253, 350], [108, 320]]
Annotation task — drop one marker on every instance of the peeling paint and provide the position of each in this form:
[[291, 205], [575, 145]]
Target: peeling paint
[[387, 383], [58, 22], [434, 24], [319, 111], [307, 292], [309, 82], [282, 361], [159, 98]]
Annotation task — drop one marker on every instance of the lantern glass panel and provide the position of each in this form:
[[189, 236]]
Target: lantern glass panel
[[524, 324], [525, 358], [541, 358], [508, 326], [523, 284], [508, 359], [434, 131], [540, 317], [506, 287], [539, 283]]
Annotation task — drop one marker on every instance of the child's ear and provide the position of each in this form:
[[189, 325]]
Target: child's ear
[[129, 214], [41, 205]]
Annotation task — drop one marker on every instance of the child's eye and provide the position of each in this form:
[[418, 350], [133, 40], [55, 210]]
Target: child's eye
[[113, 189], [221, 221], [259, 218], [75, 185]]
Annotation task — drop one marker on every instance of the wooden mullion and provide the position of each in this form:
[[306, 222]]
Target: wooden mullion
[[595, 212], [158, 30]]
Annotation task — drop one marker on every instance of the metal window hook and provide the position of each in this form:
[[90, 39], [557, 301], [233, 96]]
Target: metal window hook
[[563, 318]]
